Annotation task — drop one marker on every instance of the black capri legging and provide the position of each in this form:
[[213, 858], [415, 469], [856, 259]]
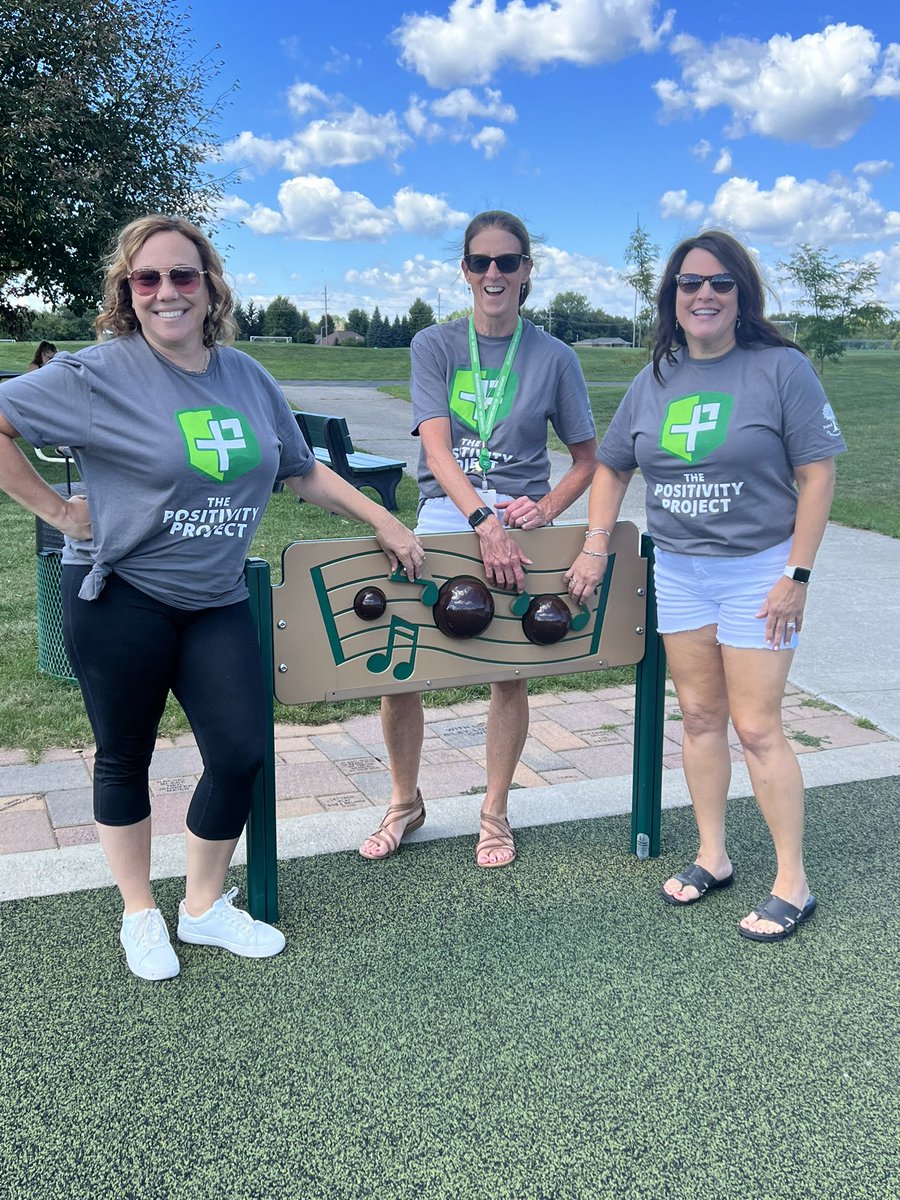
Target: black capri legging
[[128, 651]]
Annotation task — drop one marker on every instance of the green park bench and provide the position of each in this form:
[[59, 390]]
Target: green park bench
[[329, 439]]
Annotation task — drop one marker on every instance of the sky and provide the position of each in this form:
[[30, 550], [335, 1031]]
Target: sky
[[362, 138]]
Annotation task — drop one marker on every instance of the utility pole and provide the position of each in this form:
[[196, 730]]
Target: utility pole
[[439, 306], [325, 319]]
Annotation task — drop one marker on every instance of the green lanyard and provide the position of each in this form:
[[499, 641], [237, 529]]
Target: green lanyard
[[486, 411]]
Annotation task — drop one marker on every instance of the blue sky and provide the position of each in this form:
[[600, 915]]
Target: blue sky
[[362, 137]]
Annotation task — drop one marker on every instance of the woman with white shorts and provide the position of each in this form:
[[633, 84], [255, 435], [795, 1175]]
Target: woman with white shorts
[[736, 441], [484, 390]]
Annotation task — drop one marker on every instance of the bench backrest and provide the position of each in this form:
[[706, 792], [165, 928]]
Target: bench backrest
[[328, 432]]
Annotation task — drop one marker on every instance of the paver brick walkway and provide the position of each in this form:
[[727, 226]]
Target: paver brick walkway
[[574, 736]]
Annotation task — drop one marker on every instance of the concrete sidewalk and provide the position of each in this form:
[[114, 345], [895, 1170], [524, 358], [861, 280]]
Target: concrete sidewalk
[[333, 781]]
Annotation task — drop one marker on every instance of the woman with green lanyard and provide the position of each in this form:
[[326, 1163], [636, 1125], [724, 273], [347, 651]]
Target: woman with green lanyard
[[483, 390]]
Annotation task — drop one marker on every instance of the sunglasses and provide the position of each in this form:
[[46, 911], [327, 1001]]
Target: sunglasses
[[146, 280], [507, 264], [721, 284]]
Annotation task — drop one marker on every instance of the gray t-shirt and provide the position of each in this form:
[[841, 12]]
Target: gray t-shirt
[[717, 442], [178, 467], [546, 384]]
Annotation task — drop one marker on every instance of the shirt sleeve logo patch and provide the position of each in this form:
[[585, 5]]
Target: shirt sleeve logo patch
[[219, 442], [695, 426]]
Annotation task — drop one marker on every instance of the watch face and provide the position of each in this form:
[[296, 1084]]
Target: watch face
[[479, 515]]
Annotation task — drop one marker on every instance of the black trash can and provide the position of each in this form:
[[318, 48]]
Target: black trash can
[[52, 657]]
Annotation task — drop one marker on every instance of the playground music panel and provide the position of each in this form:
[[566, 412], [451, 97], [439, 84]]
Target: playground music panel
[[325, 650]]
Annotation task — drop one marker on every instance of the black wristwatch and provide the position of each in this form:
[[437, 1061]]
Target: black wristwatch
[[798, 574], [479, 515]]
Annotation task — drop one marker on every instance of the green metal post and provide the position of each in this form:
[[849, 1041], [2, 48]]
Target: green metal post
[[646, 793], [262, 853]]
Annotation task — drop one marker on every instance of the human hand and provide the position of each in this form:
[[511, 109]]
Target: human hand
[[523, 513], [584, 576], [782, 610], [76, 519], [402, 547], [502, 558]]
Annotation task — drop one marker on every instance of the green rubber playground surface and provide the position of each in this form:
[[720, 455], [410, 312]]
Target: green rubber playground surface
[[547, 1032]]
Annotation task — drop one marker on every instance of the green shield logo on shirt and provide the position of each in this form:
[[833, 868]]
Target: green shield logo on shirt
[[696, 425], [220, 444], [462, 394]]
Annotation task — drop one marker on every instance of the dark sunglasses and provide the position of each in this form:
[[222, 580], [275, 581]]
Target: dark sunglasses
[[146, 280], [721, 284], [507, 264]]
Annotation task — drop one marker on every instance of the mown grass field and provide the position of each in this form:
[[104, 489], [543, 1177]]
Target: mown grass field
[[37, 712]]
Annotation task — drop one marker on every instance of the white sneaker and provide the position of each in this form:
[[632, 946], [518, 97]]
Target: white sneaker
[[231, 928], [147, 947]]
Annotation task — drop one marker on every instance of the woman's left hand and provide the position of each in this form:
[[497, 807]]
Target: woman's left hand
[[523, 513], [783, 612], [402, 547]]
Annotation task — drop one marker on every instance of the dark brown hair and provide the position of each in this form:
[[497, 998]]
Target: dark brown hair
[[753, 329]]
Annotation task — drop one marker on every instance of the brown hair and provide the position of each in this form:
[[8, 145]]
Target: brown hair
[[496, 218], [43, 347], [753, 329], [117, 316]]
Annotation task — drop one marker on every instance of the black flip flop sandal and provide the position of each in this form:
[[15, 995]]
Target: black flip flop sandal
[[788, 916], [698, 877]]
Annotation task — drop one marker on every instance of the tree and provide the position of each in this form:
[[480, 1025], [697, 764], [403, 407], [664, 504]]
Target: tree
[[305, 331], [255, 317], [421, 315], [282, 318], [375, 332], [839, 294], [103, 117], [358, 321], [641, 254], [63, 325]]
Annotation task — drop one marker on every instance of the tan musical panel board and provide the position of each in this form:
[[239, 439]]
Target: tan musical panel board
[[343, 627]]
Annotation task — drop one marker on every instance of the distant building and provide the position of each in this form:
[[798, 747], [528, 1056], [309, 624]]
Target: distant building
[[341, 337], [616, 341]]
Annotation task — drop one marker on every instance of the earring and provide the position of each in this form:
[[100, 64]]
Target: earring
[[737, 323]]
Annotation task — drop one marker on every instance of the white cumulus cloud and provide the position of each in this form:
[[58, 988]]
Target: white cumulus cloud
[[302, 97], [835, 211], [477, 37], [723, 163], [314, 208], [817, 88], [873, 167], [491, 140], [343, 138], [418, 212]]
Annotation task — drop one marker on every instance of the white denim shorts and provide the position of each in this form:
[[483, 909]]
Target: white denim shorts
[[694, 590], [439, 514]]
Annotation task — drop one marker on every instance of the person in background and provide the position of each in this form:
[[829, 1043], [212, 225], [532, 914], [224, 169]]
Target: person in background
[[736, 442], [484, 389], [43, 355], [179, 439]]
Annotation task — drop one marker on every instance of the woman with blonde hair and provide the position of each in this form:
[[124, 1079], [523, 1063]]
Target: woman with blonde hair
[[179, 439]]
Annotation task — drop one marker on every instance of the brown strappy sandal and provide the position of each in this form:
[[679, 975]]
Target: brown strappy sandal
[[500, 839], [397, 812]]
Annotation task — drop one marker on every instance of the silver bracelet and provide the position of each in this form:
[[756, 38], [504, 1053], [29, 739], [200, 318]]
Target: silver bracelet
[[595, 553], [594, 532]]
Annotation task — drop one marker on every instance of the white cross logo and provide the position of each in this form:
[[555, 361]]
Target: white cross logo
[[697, 424], [221, 442]]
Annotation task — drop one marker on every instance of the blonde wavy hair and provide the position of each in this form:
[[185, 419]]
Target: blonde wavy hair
[[117, 317]]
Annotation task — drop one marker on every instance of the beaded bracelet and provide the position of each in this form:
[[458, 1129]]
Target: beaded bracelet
[[595, 553], [593, 532]]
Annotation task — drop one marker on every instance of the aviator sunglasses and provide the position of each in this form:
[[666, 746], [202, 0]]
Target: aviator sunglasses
[[146, 280], [721, 284], [480, 264]]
